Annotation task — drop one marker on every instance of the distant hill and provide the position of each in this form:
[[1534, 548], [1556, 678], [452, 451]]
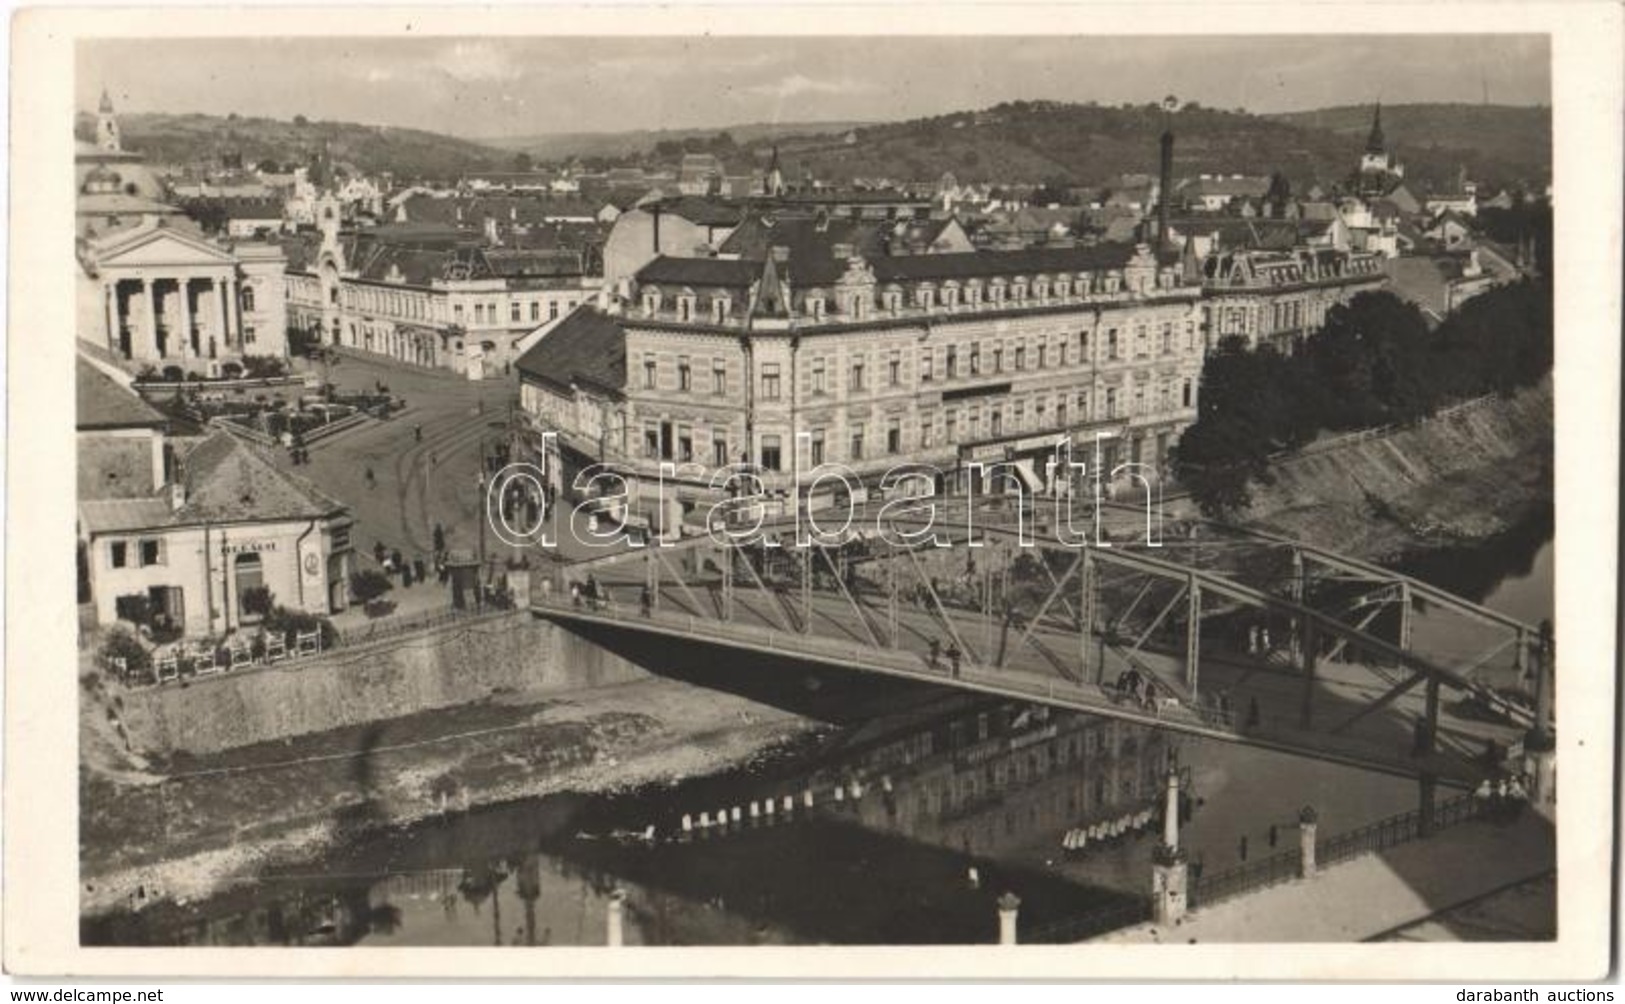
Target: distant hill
[[193, 138], [1088, 144], [560, 146], [1485, 139]]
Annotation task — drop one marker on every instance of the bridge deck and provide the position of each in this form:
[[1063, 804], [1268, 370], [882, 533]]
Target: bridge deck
[[1247, 699]]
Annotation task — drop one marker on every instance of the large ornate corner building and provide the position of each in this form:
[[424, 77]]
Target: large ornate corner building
[[151, 289], [946, 359]]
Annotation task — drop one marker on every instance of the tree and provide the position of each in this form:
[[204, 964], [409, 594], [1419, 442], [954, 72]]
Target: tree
[[300, 120], [522, 163]]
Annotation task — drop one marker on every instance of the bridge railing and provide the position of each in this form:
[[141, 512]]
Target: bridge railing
[[1089, 925], [1207, 717]]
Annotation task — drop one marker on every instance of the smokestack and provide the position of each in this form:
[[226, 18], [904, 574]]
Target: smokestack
[[655, 212], [1167, 186]]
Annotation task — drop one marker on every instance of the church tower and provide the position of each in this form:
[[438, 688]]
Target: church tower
[[107, 138], [774, 183], [1376, 146]]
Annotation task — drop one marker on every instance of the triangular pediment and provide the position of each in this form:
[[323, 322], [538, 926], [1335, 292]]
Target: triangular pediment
[[160, 246]]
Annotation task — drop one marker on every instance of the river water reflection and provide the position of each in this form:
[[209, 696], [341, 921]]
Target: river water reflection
[[940, 810]]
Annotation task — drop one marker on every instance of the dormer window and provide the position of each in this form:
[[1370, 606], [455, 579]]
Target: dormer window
[[950, 296], [1063, 288], [815, 307], [685, 307], [651, 302], [925, 297], [892, 300], [720, 306]]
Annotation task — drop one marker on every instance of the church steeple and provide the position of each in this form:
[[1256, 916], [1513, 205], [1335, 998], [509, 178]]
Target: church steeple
[[774, 182], [107, 136], [1376, 143]]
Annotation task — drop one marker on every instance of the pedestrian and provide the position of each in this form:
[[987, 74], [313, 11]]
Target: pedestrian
[[575, 594], [371, 480], [417, 433], [395, 560], [936, 650], [406, 576], [418, 568], [953, 659], [646, 601], [378, 551], [439, 539]]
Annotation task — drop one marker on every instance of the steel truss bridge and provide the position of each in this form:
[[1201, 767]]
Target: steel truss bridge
[[1220, 631]]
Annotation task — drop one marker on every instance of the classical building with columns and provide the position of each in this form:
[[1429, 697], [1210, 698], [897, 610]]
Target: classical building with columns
[[162, 295], [151, 289]]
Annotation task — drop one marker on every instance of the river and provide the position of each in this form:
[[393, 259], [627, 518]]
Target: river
[[942, 808]]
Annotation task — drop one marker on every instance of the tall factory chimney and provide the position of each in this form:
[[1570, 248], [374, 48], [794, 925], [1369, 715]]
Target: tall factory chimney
[[1166, 178]]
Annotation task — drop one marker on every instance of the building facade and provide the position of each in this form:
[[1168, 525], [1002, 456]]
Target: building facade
[[1278, 298], [436, 302], [946, 360], [192, 535], [166, 297]]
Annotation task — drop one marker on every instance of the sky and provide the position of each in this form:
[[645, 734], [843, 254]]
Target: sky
[[487, 87]]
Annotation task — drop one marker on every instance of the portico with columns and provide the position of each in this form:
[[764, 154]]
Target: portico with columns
[[168, 296]]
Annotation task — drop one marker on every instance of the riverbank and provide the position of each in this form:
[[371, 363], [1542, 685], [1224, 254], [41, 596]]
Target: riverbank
[[1457, 479], [188, 827]]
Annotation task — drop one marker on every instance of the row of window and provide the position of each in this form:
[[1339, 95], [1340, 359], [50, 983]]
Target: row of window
[[488, 314], [146, 551], [664, 441], [926, 295], [1017, 358]]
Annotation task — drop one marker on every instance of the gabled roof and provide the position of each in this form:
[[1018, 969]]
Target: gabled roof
[[227, 481], [586, 347], [104, 404], [810, 240], [727, 272], [703, 211]]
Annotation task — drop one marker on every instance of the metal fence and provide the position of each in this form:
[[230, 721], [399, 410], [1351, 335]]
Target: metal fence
[[1260, 874], [393, 627], [1089, 925], [1395, 830]]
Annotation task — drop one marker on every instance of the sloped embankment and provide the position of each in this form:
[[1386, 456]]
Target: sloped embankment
[[1460, 477]]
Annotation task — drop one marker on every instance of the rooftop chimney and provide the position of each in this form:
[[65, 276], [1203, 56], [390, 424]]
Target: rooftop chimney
[[177, 494]]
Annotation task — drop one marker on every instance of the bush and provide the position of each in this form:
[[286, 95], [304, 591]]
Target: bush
[[174, 374], [290, 623], [262, 367], [121, 643], [257, 600], [231, 371], [369, 584]]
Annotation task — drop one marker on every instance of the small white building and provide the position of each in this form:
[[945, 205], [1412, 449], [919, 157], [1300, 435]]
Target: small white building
[[230, 525]]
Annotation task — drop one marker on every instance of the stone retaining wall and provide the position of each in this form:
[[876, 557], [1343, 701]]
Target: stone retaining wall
[[435, 668]]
